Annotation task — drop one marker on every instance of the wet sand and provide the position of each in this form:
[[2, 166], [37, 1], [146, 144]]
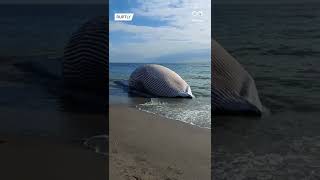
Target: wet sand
[[42, 131], [46, 158], [149, 147]]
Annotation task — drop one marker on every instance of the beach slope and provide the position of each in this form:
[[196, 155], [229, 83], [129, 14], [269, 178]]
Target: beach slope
[[146, 146]]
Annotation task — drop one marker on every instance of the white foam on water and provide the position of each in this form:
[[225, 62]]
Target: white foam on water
[[192, 111]]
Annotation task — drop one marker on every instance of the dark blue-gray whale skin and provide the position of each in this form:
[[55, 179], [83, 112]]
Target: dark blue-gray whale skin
[[85, 66], [86, 56], [233, 89]]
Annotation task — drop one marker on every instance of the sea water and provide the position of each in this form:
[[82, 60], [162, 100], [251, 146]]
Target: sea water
[[279, 45], [31, 102]]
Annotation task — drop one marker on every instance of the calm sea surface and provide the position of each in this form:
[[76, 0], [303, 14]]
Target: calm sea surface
[[280, 46], [31, 102], [28, 30]]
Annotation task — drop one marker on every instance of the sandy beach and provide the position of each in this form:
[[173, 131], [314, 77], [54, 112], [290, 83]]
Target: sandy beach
[[41, 133], [47, 158], [149, 147]]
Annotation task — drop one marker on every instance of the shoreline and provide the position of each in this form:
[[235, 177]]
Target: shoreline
[[177, 111], [119, 105], [147, 146], [172, 119]]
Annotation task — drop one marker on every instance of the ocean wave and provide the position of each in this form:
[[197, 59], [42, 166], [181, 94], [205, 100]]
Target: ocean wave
[[291, 52], [195, 112], [154, 102]]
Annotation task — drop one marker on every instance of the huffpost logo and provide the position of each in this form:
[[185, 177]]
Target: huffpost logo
[[123, 16]]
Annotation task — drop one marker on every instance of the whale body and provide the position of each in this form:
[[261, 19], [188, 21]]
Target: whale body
[[233, 89], [86, 59], [159, 81], [86, 65]]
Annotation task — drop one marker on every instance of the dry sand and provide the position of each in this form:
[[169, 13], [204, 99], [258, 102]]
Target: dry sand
[[148, 147]]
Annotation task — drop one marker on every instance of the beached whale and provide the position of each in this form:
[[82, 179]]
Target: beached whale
[[233, 89], [85, 64], [159, 81], [86, 59]]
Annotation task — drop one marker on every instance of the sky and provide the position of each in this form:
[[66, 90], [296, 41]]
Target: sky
[[161, 31]]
